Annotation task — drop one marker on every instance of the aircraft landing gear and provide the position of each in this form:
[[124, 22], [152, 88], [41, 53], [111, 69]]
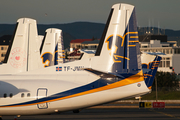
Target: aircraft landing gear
[[75, 111]]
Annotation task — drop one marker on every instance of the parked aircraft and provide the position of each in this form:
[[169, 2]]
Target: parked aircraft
[[24, 51], [114, 73]]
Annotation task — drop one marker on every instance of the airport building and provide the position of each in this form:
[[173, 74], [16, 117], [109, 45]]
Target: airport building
[[4, 44], [159, 43]]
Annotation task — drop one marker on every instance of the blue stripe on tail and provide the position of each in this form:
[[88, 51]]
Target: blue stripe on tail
[[127, 53], [149, 71]]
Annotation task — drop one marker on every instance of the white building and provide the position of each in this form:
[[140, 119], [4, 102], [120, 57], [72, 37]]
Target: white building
[[169, 61]]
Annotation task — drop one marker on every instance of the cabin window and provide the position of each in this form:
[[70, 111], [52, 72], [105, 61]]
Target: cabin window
[[11, 95], [5, 95], [22, 95], [28, 95]]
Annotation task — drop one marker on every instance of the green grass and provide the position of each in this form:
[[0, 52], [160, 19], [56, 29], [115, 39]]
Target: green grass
[[162, 95]]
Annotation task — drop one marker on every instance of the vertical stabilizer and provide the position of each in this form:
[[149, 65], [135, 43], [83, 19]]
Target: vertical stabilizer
[[17, 56], [118, 51], [52, 48]]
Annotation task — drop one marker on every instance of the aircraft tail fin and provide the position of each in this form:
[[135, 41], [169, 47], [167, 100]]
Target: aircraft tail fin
[[150, 65], [52, 48], [22, 49], [118, 50]]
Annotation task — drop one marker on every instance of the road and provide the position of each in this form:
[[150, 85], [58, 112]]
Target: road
[[108, 114]]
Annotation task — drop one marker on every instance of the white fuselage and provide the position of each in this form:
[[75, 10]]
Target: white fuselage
[[43, 83]]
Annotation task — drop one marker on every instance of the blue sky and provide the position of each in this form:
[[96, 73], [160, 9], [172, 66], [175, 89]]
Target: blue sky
[[163, 13]]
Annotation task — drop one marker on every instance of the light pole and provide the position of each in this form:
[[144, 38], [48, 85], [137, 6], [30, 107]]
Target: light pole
[[156, 88]]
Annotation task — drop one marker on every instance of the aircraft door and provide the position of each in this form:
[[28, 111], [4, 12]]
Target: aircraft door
[[42, 93]]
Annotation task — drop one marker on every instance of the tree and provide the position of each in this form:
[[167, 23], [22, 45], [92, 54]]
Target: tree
[[166, 81]]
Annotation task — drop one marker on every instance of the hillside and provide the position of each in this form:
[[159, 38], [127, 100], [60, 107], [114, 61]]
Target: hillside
[[80, 30], [85, 30]]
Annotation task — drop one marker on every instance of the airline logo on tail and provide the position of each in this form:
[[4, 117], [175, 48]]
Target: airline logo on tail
[[17, 57], [132, 37], [49, 59]]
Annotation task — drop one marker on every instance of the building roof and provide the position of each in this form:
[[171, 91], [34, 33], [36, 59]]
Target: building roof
[[80, 40], [155, 53]]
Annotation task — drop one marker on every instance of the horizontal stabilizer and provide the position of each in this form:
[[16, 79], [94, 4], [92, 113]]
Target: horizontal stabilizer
[[104, 74], [150, 65]]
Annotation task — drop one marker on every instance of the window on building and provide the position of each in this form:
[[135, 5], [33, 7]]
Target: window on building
[[158, 50], [170, 51], [177, 51], [167, 51], [3, 55], [2, 48], [163, 50], [78, 46], [167, 58], [165, 46], [160, 65], [165, 62], [94, 46]]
